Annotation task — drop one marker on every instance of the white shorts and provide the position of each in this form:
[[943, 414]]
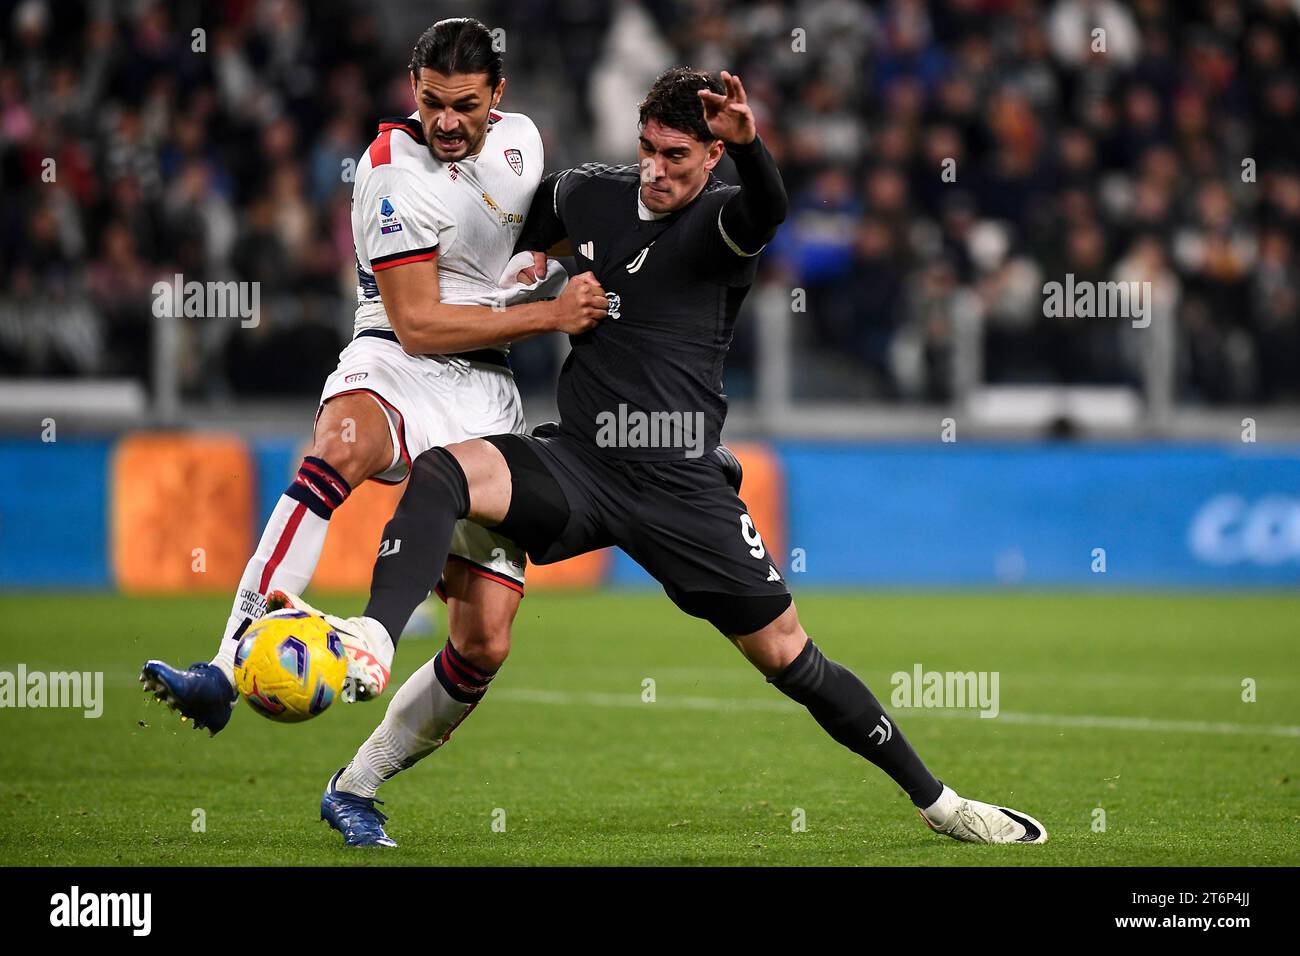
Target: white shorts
[[433, 401]]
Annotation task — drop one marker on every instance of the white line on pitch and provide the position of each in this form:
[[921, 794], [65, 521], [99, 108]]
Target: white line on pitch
[[1085, 721]]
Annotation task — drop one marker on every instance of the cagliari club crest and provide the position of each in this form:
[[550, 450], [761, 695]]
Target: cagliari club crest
[[516, 161]]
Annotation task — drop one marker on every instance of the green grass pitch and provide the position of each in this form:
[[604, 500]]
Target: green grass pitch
[[1131, 704]]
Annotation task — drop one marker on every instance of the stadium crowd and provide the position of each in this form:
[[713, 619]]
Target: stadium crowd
[[944, 161]]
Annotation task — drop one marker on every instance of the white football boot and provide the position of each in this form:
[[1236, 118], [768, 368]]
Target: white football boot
[[973, 822], [368, 646]]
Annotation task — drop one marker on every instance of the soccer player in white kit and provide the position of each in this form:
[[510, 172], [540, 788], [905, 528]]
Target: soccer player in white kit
[[438, 202]]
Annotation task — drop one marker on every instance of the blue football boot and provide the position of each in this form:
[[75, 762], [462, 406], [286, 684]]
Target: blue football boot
[[353, 816], [202, 694]]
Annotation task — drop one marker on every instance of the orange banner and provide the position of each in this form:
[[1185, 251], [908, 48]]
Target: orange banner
[[763, 489], [182, 512]]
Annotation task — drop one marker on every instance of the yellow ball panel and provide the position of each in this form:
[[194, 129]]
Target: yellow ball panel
[[290, 666]]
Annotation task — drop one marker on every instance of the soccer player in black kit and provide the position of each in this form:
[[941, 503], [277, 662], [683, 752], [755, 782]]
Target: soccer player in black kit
[[636, 460]]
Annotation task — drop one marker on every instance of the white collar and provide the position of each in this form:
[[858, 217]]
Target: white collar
[[644, 213]]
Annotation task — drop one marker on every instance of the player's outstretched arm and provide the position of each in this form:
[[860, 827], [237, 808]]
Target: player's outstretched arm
[[543, 230], [749, 219], [425, 325]]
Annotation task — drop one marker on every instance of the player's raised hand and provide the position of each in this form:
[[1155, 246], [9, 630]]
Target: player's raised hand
[[581, 306], [728, 114]]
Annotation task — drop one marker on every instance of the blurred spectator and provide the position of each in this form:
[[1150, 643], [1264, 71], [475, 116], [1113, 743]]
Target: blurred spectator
[[945, 159]]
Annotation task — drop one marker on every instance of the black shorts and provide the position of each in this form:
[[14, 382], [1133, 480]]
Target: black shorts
[[681, 520]]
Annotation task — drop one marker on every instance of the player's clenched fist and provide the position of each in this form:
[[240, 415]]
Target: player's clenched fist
[[581, 306]]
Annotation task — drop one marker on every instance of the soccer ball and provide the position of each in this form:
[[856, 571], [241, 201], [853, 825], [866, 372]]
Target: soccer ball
[[290, 665]]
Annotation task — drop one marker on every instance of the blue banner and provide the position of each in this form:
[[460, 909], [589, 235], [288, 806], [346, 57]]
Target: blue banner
[[1057, 514], [886, 515], [54, 513]]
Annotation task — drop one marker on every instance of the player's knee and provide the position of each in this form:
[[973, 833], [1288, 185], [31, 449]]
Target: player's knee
[[786, 625], [485, 643], [773, 647], [785, 639], [437, 480], [354, 456]]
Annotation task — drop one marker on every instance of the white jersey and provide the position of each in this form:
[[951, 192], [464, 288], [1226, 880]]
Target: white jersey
[[408, 206]]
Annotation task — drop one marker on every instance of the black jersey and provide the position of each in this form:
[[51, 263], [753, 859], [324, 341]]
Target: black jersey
[[647, 384]]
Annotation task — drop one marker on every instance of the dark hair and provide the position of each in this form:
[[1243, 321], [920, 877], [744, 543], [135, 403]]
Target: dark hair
[[675, 102], [457, 45]]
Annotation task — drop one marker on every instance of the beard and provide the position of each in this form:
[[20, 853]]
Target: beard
[[471, 146]]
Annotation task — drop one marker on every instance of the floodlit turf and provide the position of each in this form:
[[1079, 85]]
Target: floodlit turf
[[1128, 704]]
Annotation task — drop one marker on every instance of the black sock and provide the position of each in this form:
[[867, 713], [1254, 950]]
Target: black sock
[[417, 539], [850, 713]]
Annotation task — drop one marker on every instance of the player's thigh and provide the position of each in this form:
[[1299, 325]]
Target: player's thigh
[[550, 514], [480, 613], [361, 418], [476, 403], [487, 475], [352, 436], [487, 556], [703, 546]]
